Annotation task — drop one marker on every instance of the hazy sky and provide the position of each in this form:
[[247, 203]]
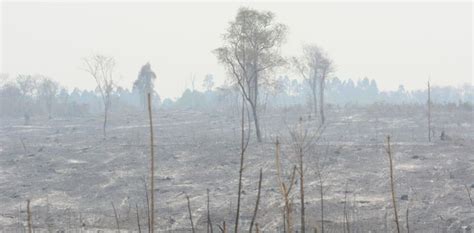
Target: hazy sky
[[393, 43]]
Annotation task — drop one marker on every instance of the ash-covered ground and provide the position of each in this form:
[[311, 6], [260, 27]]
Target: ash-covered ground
[[72, 175]]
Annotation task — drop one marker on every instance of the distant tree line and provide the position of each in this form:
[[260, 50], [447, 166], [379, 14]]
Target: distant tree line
[[37, 95], [287, 92]]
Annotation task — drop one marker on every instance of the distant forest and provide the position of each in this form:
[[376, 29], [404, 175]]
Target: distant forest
[[31, 95]]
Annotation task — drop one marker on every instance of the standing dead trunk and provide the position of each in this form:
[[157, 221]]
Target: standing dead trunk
[[152, 170], [190, 214], [392, 184], [28, 212], [321, 193], [116, 217], [243, 147], [105, 123], [138, 219], [256, 121], [301, 171], [285, 191], [254, 217], [315, 100], [209, 222]]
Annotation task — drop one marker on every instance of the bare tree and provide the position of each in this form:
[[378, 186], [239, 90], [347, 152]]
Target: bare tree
[[251, 52], [285, 190], [190, 214], [209, 221], [302, 140], [144, 83], [254, 216], [321, 171], [47, 91], [28, 212], [392, 183], [152, 168], [314, 66], [101, 68]]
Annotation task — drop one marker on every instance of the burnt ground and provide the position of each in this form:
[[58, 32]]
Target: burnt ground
[[72, 175]]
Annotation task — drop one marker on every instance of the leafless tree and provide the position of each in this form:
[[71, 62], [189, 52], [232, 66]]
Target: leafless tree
[[392, 183], [254, 216], [314, 66], [251, 52], [302, 140], [47, 91], [28, 212], [101, 68], [322, 172], [285, 190], [116, 217], [209, 221], [190, 214], [152, 168]]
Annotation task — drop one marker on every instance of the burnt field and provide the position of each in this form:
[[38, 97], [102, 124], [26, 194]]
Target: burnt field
[[72, 175]]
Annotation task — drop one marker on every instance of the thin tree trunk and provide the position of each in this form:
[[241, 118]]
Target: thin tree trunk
[[321, 193], [408, 226], [315, 102], [346, 218], [28, 212], [152, 169], [303, 225], [209, 222], [148, 217], [105, 122], [258, 201], [116, 217], [138, 219], [321, 100], [190, 214], [392, 184], [256, 121], [241, 169]]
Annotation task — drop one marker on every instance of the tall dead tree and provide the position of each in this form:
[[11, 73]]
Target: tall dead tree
[[101, 68], [302, 140], [321, 174], [285, 190], [209, 221], [152, 169], [254, 216], [392, 183], [190, 214], [251, 52], [28, 212]]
